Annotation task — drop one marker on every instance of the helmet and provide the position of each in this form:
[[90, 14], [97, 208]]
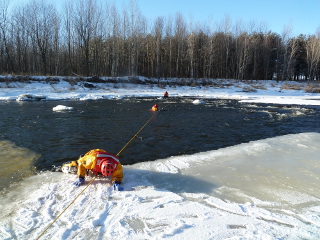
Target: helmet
[[107, 167]]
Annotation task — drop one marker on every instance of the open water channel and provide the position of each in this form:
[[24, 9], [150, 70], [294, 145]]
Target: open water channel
[[33, 137]]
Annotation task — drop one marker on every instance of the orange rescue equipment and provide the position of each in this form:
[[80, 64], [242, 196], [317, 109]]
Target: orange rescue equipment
[[154, 107]]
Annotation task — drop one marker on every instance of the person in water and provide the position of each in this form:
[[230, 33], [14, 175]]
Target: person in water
[[166, 94], [155, 107], [99, 162]]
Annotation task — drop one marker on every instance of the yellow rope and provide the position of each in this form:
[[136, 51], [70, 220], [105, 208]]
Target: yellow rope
[[66, 208], [92, 180], [135, 135]]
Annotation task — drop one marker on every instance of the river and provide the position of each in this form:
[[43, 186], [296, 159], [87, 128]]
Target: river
[[34, 138]]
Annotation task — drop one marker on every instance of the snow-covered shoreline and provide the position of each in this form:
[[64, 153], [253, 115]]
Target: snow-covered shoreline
[[245, 91]]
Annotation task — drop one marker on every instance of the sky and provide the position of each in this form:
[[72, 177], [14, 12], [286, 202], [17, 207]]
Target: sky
[[301, 16]]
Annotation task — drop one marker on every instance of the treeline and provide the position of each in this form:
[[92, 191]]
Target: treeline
[[89, 38]]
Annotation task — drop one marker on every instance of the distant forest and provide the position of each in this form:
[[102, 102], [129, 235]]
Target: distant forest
[[86, 38]]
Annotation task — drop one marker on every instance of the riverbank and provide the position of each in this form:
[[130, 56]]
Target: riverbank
[[42, 88]]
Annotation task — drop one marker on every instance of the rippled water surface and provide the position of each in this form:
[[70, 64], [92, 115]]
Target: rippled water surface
[[181, 127]]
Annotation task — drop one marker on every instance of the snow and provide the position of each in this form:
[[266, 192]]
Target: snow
[[266, 189], [259, 91], [62, 108], [198, 101]]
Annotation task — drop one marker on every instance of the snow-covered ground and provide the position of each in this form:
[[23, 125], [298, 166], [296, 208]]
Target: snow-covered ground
[[266, 189], [250, 91]]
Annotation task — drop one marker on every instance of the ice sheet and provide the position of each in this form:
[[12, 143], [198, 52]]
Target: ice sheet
[[267, 189]]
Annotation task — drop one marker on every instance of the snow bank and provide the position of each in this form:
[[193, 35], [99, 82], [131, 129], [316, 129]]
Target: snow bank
[[266, 189], [271, 92]]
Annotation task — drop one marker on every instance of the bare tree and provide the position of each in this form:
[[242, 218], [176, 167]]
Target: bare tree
[[225, 28], [168, 48], [115, 40], [136, 31], [84, 22], [313, 55], [285, 39], [180, 33], [41, 22], [158, 33], [243, 55], [191, 53], [4, 28], [68, 40], [241, 50], [292, 48]]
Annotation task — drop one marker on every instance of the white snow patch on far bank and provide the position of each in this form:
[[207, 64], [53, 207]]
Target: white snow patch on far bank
[[264, 91]]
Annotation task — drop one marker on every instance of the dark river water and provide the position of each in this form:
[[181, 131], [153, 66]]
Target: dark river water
[[181, 127]]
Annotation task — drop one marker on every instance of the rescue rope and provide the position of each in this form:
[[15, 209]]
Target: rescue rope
[[135, 135], [153, 115], [66, 208]]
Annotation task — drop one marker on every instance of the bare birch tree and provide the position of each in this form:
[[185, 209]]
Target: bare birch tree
[[158, 33], [313, 55]]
